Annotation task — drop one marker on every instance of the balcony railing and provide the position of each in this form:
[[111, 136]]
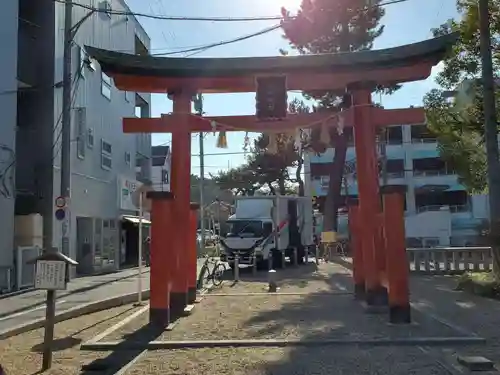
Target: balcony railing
[[453, 208], [431, 172], [424, 140]]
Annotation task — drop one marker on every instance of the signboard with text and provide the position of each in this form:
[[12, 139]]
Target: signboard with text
[[50, 274], [126, 187]]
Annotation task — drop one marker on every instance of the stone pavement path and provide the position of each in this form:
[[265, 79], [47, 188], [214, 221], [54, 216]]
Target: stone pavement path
[[26, 307], [32, 299]]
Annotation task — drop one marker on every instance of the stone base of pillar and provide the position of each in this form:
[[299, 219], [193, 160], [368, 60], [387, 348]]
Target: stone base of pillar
[[178, 302], [400, 314], [191, 295], [359, 291], [377, 297], [159, 317]]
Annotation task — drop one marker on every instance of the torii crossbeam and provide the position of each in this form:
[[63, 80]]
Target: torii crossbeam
[[357, 72]]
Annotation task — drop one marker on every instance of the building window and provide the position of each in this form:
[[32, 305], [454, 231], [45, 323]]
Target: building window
[[127, 158], [80, 119], [106, 86], [90, 138], [106, 155]]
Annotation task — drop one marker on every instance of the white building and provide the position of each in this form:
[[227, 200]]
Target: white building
[[103, 158], [438, 209]]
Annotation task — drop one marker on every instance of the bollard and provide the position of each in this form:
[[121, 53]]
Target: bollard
[[295, 257], [317, 255], [237, 267], [254, 265], [273, 287]]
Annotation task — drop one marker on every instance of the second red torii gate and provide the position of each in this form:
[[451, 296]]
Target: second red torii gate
[[357, 72]]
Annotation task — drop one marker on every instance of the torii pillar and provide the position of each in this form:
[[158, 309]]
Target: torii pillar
[[181, 188]]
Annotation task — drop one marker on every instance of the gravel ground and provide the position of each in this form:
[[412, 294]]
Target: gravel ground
[[289, 361], [21, 355], [314, 314]]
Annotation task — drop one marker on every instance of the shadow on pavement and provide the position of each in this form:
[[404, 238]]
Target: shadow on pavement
[[121, 357], [71, 341], [294, 276], [321, 316]]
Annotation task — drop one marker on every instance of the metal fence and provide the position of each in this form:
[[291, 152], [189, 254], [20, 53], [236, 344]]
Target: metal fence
[[6, 279], [26, 272], [449, 260]]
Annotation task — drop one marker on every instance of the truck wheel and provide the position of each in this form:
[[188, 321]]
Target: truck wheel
[[277, 259]]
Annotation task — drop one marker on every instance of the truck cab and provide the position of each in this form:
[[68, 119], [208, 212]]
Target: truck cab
[[267, 228]]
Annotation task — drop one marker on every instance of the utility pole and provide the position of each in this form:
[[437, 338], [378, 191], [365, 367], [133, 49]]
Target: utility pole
[[198, 104], [490, 125], [66, 125]]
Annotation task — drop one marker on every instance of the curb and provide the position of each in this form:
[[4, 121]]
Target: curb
[[74, 291], [254, 343], [74, 312]]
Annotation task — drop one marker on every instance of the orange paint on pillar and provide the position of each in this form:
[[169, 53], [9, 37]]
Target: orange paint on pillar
[[192, 266], [396, 259], [180, 186], [160, 271], [357, 251], [369, 199]]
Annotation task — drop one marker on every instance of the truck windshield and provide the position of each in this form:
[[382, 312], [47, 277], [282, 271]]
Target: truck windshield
[[245, 228]]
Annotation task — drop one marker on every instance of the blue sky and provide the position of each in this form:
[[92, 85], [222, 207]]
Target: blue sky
[[405, 23]]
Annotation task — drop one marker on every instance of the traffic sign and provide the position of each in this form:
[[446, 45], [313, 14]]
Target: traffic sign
[[60, 202], [60, 214]]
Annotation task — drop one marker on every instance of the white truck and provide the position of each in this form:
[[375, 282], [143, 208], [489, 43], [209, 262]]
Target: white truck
[[268, 227]]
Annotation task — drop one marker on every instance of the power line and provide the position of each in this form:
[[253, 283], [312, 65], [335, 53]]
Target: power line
[[222, 43], [200, 19], [173, 18]]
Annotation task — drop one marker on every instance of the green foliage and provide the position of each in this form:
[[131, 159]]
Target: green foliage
[[483, 284], [460, 136], [459, 124], [325, 26]]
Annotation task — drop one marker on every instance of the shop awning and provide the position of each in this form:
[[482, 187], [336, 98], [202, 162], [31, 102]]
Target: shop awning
[[135, 220]]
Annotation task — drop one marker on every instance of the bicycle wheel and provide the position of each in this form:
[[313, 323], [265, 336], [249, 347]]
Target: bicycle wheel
[[202, 277], [218, 274]]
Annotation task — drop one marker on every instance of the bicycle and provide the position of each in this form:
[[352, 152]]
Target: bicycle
[[212, 270]]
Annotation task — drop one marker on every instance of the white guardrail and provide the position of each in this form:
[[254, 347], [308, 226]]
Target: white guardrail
[[449, 260]]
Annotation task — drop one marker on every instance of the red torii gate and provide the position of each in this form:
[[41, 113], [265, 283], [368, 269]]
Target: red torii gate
[[380, 265]]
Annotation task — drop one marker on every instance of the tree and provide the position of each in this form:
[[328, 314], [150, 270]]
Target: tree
[[458, 124], [240, 180], [325, 26]]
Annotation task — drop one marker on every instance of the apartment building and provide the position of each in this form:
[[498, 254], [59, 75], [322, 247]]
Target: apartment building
[[438, 210], [103, 159]]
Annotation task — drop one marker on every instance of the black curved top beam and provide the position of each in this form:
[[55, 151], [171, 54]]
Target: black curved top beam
[[432, 50]]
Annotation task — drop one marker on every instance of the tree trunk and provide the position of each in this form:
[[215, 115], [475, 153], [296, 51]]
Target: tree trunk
[[298, 176], [339, 141], [272, 190], [281, 186], [332, 202]]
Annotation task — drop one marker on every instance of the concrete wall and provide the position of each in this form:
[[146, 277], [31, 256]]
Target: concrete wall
[[8, 109]]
